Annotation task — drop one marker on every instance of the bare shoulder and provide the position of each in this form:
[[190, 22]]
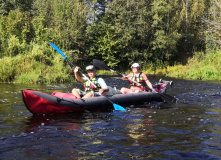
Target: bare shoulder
[[144, 76]]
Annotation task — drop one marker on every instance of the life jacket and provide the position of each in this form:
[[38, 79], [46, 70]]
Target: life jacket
[[138, 79], [90, 87]]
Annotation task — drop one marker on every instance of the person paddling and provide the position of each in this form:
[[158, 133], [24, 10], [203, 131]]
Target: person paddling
[[90, 90], [139, 77]]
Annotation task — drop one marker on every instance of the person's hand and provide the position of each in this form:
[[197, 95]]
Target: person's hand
[[76, 69], [101, 91], [124, 77]]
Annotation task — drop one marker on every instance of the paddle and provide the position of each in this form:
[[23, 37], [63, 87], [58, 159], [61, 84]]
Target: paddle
[[103, 66], [116, 106]]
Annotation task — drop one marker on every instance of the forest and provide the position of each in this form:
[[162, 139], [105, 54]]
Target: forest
[[179, 38]]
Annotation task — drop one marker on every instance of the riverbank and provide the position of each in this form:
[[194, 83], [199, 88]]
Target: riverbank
[[200, 67], [34, 68], [38, 68]]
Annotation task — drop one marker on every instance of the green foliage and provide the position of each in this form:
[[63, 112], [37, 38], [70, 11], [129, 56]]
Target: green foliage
[[7, 71], [213, 20], [152, 30], [14, 46], [18, 23], [155, 34], [15, 33], [38, 67], [106, 46], [202, 67], [29, 78], [7, 5], [42, 33]]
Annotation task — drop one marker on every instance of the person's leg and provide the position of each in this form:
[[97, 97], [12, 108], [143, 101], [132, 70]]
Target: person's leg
[[76, 93], [138, 91], [125, 90], [88, 95], [122, 91]]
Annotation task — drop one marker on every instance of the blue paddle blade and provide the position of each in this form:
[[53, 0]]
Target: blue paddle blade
[[118, 107], [57, 49]]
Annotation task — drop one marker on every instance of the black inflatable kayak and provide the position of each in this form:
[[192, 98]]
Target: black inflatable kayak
[[42, 103]]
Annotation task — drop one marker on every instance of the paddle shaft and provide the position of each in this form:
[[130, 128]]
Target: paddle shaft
[[102, 65], [81, 73], [128, 79], [91, 82], [63, 55], [119, 107], [165, 96]]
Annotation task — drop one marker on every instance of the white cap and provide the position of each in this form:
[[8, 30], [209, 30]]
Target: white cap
[[90, 67], [135, 65]]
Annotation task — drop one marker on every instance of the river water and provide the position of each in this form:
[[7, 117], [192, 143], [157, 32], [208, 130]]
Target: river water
[[190, 129]]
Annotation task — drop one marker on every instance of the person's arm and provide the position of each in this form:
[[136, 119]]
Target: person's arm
[[103, 85], [126, 77], [80, 79], [148, 82]]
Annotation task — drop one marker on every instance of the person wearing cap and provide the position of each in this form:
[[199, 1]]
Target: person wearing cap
[[139, 77], [90, 90]]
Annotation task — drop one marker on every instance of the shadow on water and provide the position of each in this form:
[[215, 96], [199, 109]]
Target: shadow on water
[[190, 129]]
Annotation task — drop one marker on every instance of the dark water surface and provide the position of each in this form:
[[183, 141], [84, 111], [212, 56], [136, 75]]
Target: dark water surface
[[190, 129]]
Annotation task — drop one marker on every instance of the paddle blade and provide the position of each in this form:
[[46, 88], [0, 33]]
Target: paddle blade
[[118, 107], [100, 65], [57, 49], [168, 98], [103, 66]]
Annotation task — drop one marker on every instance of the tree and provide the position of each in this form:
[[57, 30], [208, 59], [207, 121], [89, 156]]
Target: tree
[[7, 5], [104, 44], [213, 21], [157, 31], [15, 29]]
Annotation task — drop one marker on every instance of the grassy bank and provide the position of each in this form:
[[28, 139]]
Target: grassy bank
[[25, 69], [42, 66], [39, 66], [200, 67]]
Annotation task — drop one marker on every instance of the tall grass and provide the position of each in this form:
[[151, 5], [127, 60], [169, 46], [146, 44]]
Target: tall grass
[[40, 65], [200, 67]]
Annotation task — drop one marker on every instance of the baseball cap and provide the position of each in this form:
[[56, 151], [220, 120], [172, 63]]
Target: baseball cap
[[90, 67], [135, 65]]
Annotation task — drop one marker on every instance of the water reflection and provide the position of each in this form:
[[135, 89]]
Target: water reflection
[[141, 129], [189, 130], [38, 123]]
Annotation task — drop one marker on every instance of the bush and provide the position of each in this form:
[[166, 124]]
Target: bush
[[201, 66], [40, 65], [7, 72]]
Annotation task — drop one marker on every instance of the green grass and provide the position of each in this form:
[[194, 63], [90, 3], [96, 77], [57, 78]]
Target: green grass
[[35, 67], [200, 67], [41, 65]]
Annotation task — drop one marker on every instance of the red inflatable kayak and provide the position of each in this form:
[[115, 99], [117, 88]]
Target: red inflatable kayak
[[57, 102]]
